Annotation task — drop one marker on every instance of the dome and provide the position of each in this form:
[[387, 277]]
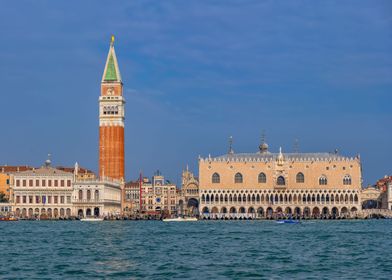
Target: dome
[[263, 147], [48, 161]]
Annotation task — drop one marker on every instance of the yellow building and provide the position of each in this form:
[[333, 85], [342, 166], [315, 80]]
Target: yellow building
[[5, 178], [4, 186], [81, 173], [266, 185]]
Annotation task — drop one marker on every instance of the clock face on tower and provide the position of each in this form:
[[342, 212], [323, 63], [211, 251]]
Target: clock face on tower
[[110, 91]]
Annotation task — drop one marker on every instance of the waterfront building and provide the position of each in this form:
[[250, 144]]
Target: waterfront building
[[45, 192], [6, 172], [95, 197], [111, 120], [159, 195], [382, 183], [131, 195], [5, 209], [373, 198], [378, 196], [188, 200], [389, 196], [100, 197], [265, 184]]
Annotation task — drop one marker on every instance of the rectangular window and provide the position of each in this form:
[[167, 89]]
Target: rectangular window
[[37, 183], [24, 183], [24, 199], [68, 183], [31, 199], [56, 199], [56, 183], [37, 199], [49, 183], [62, 199], [8, 181], [62, 183], [17, 183], [43, 183], [68, 199], [17, 199], [49, 199], [30, 183]]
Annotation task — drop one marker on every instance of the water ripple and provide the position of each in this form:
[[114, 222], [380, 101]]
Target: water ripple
[[206, 249]]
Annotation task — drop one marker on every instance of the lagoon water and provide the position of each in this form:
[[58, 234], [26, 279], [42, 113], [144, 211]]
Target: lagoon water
[[332, 249]]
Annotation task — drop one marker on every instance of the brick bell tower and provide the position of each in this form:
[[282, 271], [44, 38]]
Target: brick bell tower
[[111, 120]]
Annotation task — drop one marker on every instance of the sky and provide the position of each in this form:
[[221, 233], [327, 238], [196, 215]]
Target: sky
[[195, 73]]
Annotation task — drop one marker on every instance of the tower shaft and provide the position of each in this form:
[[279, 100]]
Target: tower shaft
[[111, 120]]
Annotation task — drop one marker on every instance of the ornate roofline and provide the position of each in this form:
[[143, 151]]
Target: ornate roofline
[[269, 157]]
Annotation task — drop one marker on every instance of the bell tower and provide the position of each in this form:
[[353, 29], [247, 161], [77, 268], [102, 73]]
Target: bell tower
[[111, 120]]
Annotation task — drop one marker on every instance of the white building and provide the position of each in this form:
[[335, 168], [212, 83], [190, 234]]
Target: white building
[[99, 197], [389, 196], [51, 193], [45, 192]]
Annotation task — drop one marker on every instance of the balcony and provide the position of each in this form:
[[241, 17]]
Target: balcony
[[88, 201]]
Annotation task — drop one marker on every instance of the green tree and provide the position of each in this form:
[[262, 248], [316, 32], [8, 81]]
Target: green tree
[[2, 197]]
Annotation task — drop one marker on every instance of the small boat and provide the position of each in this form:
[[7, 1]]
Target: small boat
[[180, 219], [288, 222], [91, 219], [8, 219]]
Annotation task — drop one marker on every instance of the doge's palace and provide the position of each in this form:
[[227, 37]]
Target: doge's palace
[[266, 185]]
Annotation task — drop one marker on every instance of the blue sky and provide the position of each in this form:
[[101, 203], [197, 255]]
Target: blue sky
[[196, 72]]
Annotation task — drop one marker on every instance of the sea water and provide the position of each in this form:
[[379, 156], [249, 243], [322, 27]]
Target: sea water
[[319, 249]]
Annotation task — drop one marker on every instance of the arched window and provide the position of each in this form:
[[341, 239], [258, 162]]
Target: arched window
[[96, 195], [88, 194], [323, 180], [262, 178], [215, 178], [347, 180], [238, 178], [300, 178], [80, 194], [281, 181]]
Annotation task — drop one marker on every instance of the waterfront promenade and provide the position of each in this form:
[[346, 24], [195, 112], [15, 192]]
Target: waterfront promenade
[[361, 214]]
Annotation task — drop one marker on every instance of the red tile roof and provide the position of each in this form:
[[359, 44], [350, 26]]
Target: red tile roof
[[14, 168]]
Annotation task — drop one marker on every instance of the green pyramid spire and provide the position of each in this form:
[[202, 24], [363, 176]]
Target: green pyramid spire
[[111, 74]]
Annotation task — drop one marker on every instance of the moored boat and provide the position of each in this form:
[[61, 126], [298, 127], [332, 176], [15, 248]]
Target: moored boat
[[180, 219], [91, 219], [8, 219], [288, 222]]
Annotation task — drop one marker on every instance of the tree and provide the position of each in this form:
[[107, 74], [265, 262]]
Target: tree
[[2, 197]]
